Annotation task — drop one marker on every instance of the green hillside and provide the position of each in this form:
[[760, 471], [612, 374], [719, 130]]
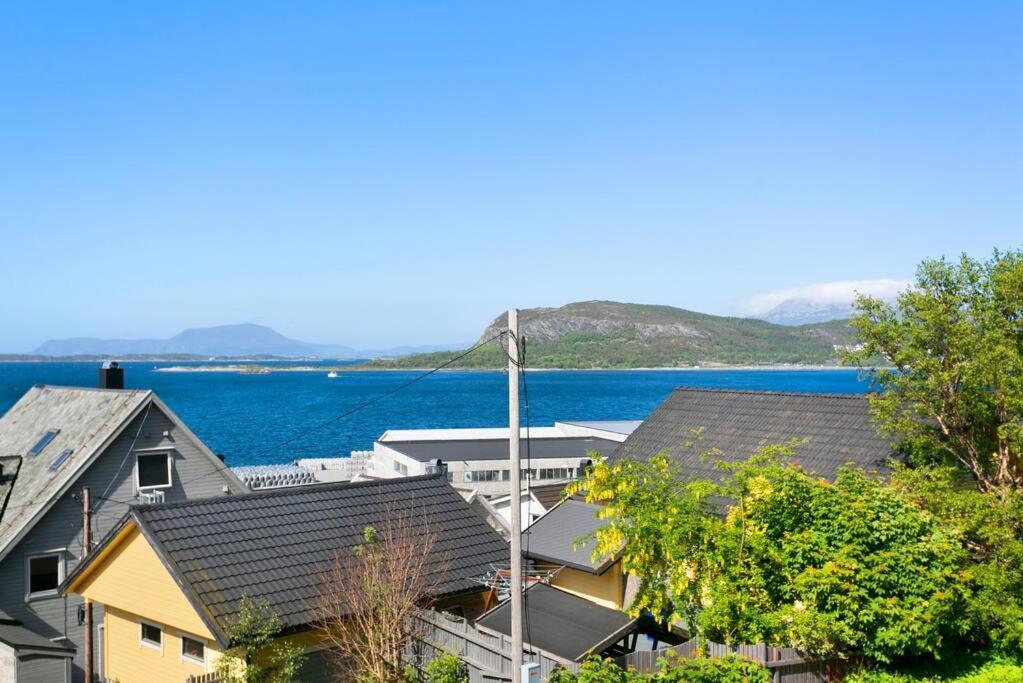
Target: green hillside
[[605, 334]]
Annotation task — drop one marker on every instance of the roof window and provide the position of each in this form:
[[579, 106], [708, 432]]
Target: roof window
[[43, 442]]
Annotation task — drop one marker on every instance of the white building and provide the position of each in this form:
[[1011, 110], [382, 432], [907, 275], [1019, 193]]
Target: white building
[[477, 459]]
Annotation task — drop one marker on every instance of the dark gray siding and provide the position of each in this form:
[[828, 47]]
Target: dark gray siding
[[42, 668], [62, 525]]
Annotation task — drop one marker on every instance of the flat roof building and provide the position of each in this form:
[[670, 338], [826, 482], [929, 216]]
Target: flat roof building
[[478, 459]]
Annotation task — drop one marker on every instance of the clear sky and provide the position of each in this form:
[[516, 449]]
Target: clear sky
[[378, 174]]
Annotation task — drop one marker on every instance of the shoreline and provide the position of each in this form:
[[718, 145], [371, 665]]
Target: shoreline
[[269, 369]]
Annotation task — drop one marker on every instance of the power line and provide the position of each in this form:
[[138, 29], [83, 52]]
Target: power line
[[336, 418], [520, 346], [362, 406], [127, 453]]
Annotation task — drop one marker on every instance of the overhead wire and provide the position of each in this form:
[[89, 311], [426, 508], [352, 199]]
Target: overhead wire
[[361, 406]]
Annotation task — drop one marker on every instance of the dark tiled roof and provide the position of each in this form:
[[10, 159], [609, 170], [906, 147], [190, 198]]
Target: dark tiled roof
[[462, 450], [837, 428], [552, 537], [275, 545], [561, 623]]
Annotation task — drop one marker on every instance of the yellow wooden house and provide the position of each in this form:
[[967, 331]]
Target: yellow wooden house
[[172, 577], [556, 546]]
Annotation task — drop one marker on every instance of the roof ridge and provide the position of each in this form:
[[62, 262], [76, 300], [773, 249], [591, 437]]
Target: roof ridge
[[772, 392], [285, 491], [96, 389]]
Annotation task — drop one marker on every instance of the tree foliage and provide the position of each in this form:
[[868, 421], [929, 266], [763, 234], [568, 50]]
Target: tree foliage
[[257, 655], [447, 668], [954, 342], [730, 669], [844, 569]]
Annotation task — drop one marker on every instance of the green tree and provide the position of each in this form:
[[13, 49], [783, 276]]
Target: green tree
[[256, 656], [846, 569], [988, 527], [954, 342]]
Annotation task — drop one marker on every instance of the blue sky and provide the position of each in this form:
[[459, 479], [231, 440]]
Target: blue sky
[[377, 173]]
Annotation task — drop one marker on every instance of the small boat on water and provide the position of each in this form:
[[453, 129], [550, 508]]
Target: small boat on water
[[332, 374]]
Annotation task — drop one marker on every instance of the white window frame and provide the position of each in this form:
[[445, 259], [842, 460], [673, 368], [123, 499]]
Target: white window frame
[[61, 573], [170, 470], [143, 642], [190, 658]]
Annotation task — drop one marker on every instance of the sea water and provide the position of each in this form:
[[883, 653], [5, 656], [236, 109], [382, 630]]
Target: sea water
[[246, 417]]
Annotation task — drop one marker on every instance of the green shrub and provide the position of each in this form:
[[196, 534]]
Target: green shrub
[[728, 669], [447, 669]]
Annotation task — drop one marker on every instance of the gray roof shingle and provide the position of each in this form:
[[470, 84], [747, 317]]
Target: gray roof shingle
[[87, 420], [560, 623], [837, 427], [276, 545], [552, 537]]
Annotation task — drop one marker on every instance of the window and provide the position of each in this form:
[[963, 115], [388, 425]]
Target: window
[[153, 470], [482, 475], [45, 572], [150, 635], [193, 650], [59, 460], [43, 442], [401, 468]]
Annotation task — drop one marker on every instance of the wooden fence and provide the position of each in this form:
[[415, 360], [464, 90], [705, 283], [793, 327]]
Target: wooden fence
[[486, 655], [203, 678], [785, 663]]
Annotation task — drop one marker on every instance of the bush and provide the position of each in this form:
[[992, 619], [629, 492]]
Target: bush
[[447, 669], [965, 669], [730, 669]]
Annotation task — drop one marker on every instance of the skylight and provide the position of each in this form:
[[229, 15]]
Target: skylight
[[43, 442], [64, 455]]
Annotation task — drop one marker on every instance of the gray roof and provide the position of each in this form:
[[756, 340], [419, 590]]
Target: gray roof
[[614, 426], [275, 545], [551, 538], [88, 419], [837, 428], [17, 636], [562, 624], [497, 449]]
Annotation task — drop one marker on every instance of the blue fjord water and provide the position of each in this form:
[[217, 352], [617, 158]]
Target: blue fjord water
[[245, 417]]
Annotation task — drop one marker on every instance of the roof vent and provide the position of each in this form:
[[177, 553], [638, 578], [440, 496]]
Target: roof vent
[[111, 375]]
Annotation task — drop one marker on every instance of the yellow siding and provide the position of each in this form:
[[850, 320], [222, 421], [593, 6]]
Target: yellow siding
[[605, 590], [131, 578], [127, 660]]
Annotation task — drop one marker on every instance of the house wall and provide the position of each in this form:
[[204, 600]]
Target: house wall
[[127, 659], [606, 589], [56, 617], [132, 578]]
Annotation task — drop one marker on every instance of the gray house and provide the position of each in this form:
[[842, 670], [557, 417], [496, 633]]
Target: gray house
[[128, 447]]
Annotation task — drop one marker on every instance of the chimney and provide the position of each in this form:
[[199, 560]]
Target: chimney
[[111, 375]]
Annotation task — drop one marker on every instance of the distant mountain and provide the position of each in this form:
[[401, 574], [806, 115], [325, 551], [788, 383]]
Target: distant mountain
[[804, 311], [608, 334], [224, 340], [237, 341]]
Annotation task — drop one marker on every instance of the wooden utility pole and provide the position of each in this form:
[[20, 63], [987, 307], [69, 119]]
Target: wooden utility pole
[[86, 547], [516, 504]]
